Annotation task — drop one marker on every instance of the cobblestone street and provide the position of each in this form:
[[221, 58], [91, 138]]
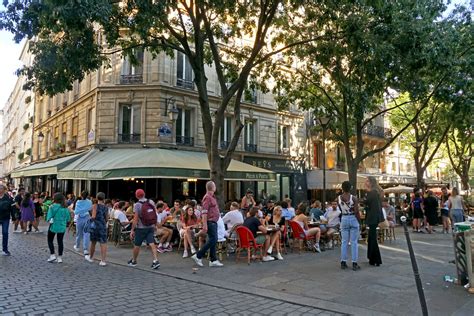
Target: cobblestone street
[[30, 285]]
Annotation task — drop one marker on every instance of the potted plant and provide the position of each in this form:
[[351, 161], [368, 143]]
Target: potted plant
[[21, 156], [61, 147], [28, 152]]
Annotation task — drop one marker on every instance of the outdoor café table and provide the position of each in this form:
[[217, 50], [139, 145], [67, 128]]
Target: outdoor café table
[[314, 224]]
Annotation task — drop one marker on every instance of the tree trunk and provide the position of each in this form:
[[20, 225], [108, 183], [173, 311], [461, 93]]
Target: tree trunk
[[352, 167], [217, 174], [465, 180], [420, 181]]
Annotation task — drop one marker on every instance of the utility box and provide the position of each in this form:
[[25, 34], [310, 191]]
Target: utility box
[[464, 253]]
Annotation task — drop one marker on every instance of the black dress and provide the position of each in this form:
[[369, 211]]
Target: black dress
[[373, 217], [431, 210]]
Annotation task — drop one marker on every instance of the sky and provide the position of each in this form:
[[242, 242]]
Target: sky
[[9, 63]]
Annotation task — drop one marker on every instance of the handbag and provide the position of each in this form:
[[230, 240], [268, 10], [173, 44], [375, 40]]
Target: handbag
[[89, 226]]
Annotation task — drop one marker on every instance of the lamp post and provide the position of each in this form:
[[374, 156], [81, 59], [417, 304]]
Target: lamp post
[[324, 121], [173, 114], [40, 139]]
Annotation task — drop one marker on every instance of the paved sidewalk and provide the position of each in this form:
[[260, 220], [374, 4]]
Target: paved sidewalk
[[316, 279]]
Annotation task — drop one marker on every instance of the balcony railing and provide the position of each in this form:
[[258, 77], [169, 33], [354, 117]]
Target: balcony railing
[[225, 144], [251, 148], [377, 131], [131, 79], [187, 84], [184, 140], [129, 138]]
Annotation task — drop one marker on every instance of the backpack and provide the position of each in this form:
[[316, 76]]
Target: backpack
[[148, 214]]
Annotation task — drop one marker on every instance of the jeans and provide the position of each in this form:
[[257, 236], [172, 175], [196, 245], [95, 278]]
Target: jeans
[[349, 231], [81, 235], [210, 243], [5, 225], [60, 242], [457, 215]]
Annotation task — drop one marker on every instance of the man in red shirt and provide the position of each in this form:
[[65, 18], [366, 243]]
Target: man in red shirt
[[209, 215]]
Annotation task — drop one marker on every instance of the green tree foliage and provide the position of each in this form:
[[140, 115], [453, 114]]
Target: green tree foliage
[[237, 38], [374, 46]]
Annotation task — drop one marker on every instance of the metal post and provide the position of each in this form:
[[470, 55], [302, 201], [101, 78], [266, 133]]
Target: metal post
[[419, 286], [324, 168]]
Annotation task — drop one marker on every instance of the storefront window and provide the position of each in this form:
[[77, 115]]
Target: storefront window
[[273, 188], [285, 186]]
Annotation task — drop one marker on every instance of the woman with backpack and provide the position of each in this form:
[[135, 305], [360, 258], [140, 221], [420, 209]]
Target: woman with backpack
[[58, 216], [99, 232], [349, 208], [27, 210]]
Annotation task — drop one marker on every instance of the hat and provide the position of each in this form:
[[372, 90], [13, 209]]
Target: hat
[[139, 194]]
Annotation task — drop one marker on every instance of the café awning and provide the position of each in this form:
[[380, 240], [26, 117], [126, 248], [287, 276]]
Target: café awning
[[49, 167], [122, 163]]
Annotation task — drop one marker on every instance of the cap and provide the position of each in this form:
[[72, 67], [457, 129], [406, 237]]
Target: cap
[[139, 193]]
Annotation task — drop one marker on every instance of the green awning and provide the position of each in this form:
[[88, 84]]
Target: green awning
[[113, 164], [45, 168]]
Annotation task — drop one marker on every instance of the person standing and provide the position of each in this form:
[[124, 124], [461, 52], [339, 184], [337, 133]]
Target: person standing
[[349, 208], [143, 228], [38, 212], [373, 217], [58, 216], [210, 215], [247, 201], [456, 207], [99, 233], [27, 210], [418, 212], [82, 210], [6, 212], [17, 214], [431, 211], [445, 209]]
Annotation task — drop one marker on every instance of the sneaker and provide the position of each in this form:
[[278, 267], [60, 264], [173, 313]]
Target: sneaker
[[216, 263], [343, 265], [76, 248], [193, 250], [160, 249], [155, 264], [355, 266], [52, 258], [267, 258], [60, 260], [279, 257], [197, 260], [269, 251], [102, 263], [330, 244], [169, 248], [317, 248], [132, 263], [185, 254], [25, 233], [88, 258], [6, 253]]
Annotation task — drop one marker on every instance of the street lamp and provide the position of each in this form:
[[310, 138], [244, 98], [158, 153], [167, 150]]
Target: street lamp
[[173, 114], [324, 121], [40, 136]]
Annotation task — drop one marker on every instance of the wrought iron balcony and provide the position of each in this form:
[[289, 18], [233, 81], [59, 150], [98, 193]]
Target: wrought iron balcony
[[377, 131], [251, 148], [184, 140], [129, 138], [131, 79], [187, 84]]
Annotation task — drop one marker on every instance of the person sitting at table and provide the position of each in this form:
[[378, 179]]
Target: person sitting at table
[[333, 217], [268, 209], [176, 210], [389, 211], [254, 225], [129, 208], [188, 223], [302, 220], [276, 219], [233, 217], [315, 211], [119, 213], [287, 213], [162, 232]]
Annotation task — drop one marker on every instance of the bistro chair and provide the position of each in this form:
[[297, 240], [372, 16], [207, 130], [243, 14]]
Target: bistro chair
[[118, 234], [247, 241], [300, 237]]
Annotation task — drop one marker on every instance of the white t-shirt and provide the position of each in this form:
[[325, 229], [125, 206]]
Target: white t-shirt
[[161, 216], [221, 233], [233, 218], [118, 214], [333, 217]]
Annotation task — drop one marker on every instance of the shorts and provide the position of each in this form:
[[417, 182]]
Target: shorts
[[260, 240], [418, 213], [144, 234], [99, 235], [445, 212]]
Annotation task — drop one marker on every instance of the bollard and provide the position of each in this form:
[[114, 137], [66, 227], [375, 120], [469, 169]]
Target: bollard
[[419, 286]]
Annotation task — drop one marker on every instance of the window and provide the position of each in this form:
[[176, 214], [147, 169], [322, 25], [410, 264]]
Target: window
[[226, 132], [89, 120], [283, 139], [56, 137], [250, 95], [76, 90], [183, 128], [184, 72], [394, 167], [132, 68], [249, 136], [130, 124], [63, 133], [75, 132]]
